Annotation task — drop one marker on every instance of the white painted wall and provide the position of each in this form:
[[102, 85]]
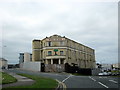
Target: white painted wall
[[26, 57], [3, 63], [33, 66]]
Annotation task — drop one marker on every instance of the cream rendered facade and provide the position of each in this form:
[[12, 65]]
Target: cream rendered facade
[[60, 50], [3, 63]]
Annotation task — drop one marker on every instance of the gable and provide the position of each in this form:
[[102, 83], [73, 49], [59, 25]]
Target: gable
[[55, 38]]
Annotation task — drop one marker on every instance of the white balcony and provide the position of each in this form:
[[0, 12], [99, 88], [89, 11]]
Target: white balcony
[[55, 56]]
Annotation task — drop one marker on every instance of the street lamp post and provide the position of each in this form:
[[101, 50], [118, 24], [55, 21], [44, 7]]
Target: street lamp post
[[4, 46]]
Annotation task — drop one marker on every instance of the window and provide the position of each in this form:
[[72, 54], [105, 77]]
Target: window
[[61, 52], [49, 53], [44, 44], [61, 43], [49, 43]]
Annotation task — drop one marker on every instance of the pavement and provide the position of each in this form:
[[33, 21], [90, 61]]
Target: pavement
[[21, 80], [72, 81]]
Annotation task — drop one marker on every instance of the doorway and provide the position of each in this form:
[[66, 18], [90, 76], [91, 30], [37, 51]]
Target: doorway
[[55, 61], [42, 67]]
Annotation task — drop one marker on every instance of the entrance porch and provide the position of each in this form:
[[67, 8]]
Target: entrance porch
[[55, 61]]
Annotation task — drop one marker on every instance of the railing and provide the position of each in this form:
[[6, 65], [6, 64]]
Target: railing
[[55, 55], [56, 46]]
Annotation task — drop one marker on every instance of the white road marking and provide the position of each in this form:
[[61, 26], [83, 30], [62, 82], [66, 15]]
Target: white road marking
[[67, 78], [102, 77], [92, 78], [105, 77], [113, 81], [103, 84]]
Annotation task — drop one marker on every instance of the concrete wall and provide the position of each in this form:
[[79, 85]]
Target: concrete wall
[[33, 66], [27, 57], [106, 67], [36, 45], [117, 65], [3, 64]]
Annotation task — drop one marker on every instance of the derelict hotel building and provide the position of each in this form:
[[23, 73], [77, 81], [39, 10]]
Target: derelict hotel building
[[60, 50]]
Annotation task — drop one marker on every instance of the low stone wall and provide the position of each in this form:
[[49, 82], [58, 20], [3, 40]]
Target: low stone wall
[[54, 67]]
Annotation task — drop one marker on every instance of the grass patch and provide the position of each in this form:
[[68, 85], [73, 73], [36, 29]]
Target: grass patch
[[6, 78], [40, 82], [116, 76]]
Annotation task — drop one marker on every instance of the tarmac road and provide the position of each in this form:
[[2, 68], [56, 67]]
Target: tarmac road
[[72, 81], [91, 82]]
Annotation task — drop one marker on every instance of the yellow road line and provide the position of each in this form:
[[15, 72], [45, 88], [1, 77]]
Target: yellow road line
[[63, 84]]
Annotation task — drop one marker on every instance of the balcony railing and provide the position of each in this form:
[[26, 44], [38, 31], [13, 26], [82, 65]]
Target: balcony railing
[[55, 55]]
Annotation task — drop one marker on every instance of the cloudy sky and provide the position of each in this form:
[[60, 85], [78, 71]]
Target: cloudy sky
[[91, 23]]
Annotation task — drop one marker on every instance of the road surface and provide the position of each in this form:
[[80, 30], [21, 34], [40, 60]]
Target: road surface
[[72, 81]]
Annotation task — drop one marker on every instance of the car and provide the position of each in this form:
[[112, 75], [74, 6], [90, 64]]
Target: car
[[103, 74], [114, 74], [109, 73], [100, 74]]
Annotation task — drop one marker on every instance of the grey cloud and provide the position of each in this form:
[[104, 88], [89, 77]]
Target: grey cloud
[[93, 24]]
